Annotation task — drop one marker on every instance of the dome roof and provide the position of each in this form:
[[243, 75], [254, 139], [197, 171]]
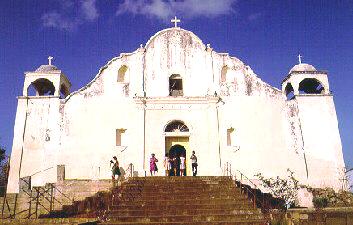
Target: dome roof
[[302, 67], [46, 69]]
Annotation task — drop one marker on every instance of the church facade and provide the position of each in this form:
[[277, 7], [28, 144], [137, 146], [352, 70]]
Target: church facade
[[177, 94]]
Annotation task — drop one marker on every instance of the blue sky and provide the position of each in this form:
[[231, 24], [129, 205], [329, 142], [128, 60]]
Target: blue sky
[[83, 35]]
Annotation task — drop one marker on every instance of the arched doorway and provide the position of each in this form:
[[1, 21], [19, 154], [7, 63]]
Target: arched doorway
[[177, 144], [175, 152]]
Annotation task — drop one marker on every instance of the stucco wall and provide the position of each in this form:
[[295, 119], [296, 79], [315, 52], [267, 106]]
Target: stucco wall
[[322, 141]]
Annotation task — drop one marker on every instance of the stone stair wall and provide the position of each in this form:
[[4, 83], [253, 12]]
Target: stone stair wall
[[31, 202]]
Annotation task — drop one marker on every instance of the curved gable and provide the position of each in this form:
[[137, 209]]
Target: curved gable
[[186, 37], [177, 51]]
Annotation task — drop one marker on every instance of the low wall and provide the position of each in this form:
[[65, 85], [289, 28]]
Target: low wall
[[326, 216]]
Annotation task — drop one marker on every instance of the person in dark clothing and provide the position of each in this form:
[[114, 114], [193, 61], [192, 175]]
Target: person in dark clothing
[[194, 163], [115, 168]]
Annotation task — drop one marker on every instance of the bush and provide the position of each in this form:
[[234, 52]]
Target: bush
[[320, 202], [334, 199], [284, 188]]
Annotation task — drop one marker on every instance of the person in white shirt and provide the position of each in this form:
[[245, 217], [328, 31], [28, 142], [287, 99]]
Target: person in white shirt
[[167, 164], [182, 165], [194, 163]]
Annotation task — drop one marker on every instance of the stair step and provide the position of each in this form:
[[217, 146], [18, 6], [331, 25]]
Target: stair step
[[188, 202], [57, 221], [182, 211], [223, 222], [168, 192], [180, 182], [186, 218], [229, 206], [173, 198]]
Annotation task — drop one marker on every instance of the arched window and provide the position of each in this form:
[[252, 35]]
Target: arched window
[[176, 126], [289, 91], [122, 74], [42, 87], [310, 86], [224, 74], [175, 85]]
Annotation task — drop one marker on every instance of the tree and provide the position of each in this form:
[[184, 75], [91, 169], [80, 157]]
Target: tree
[[350, 179], [286, 189], [2, 154], [3, 170]]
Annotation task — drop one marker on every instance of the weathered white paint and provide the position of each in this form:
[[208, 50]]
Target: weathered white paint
[[270, 133]]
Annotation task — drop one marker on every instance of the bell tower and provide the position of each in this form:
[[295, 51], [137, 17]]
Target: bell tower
[[47, 80], [36, 142], [307, 91]]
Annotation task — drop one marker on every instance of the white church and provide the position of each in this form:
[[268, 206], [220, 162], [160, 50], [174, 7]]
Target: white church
[[177, 91]]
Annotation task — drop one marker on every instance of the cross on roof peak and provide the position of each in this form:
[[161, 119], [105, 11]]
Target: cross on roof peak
[[175, 21], [50, 58], [300, 59]]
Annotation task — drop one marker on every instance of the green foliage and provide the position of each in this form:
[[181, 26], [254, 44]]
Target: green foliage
[[351, 185], [2, 154], [286, 189], [320, 202], [334, 199], [3, 170]]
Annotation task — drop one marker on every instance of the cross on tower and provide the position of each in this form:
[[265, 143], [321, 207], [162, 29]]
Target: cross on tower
[[300, 59], [175, 21], [50, 58]]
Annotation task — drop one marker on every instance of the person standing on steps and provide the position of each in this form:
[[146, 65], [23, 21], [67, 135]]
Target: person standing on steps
[[167, 164], [115, 168], [182, 164], [153, 165], [177, 164], [174, 162], [194, 163]]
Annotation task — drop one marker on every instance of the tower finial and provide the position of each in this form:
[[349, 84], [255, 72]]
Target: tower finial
[[50, 58], [300, 59], [175, 21]]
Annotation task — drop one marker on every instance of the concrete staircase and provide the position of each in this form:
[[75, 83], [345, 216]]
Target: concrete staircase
[[181, 200]]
